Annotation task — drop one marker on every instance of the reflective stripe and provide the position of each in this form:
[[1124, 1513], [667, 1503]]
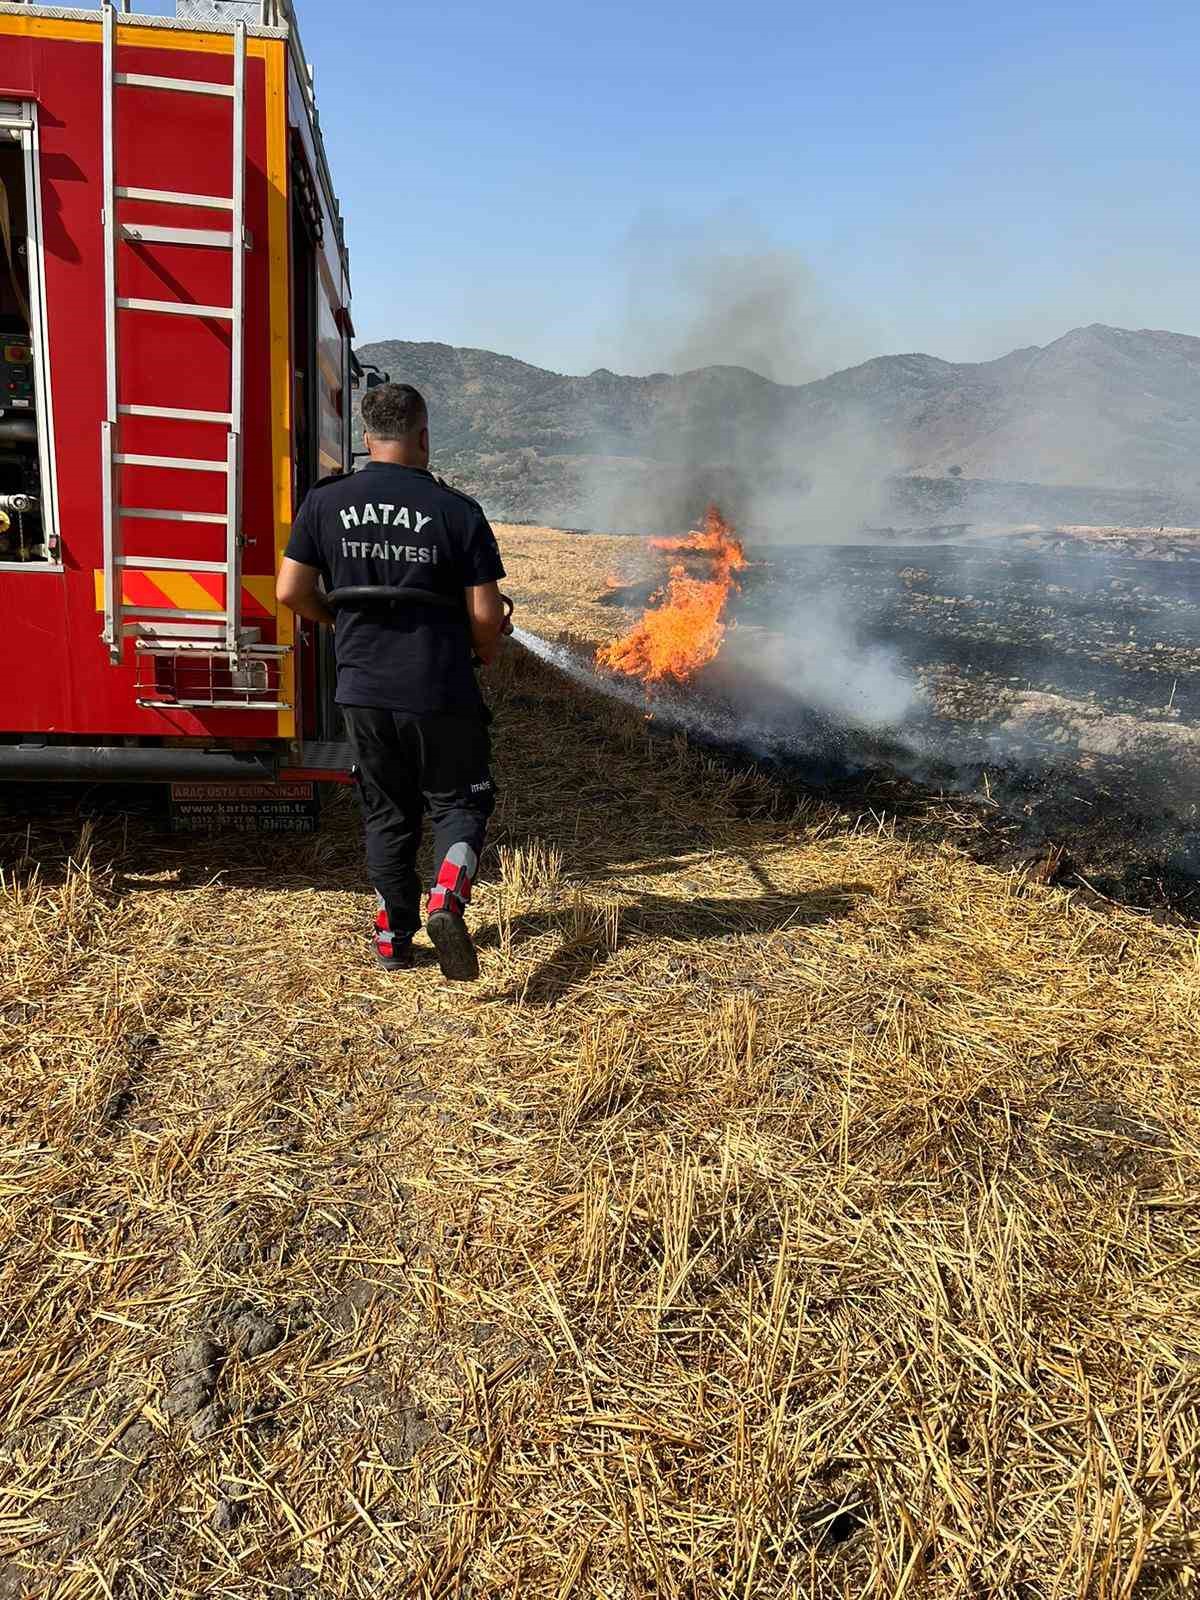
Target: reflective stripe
[[462, 856], [455, 877]]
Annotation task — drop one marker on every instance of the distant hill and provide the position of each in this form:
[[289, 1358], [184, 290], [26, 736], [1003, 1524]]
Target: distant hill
[[1103, 425]]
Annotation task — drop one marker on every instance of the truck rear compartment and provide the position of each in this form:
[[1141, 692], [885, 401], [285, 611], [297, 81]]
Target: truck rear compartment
[[175, 333]]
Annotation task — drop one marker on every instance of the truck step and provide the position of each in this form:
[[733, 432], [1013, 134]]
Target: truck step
[[175, 413], [175, 197], [215, 705], [172, 463], [151, 233], [318, 761], [147, 80], [176, 308]]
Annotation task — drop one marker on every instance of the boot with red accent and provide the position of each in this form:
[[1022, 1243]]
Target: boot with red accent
[[445, 923], [392, 952]]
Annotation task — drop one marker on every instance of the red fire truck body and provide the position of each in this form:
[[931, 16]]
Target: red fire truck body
[[175, 328]]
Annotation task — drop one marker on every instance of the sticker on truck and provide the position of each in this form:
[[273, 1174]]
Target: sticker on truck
[[245, 808]]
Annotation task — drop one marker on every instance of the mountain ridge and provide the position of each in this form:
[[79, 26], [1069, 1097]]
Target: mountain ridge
[[1105, 412]]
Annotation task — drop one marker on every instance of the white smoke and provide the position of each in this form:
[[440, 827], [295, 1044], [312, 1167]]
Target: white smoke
[[721, 290], [783, 473], [814, 652], [759, 732]]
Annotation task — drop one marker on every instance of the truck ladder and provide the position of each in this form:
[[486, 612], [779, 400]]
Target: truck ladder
[[220, 630]]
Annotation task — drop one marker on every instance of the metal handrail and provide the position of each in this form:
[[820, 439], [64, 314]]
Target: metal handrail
[[272, 13], [279, 14]]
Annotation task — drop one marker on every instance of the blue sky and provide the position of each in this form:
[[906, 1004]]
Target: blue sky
[[589, 185]]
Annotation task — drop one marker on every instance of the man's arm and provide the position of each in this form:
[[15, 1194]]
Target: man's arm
[[486, 612], [296, 588]]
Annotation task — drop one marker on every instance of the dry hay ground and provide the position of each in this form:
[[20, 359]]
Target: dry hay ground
[[788, 1211], [557, 579]]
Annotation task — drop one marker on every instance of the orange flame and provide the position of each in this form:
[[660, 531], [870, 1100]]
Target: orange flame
[[682, 634]]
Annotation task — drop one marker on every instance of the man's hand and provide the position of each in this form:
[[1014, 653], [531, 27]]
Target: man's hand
[[296, 588], [485, 609]]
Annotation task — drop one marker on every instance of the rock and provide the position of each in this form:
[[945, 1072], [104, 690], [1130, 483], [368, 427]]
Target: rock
[[201, 1355], [188, 1396], [254, 1334], [137, 1438], [227, 1513], [208, 1422]]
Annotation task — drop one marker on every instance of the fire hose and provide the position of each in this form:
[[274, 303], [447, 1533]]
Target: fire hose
[[379, 594], [15, 505]]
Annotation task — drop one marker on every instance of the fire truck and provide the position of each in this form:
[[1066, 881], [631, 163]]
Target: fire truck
[[177, 370]]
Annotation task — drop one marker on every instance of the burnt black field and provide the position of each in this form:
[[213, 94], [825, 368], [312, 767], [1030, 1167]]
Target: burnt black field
[[1123, 629], [1057, 697]]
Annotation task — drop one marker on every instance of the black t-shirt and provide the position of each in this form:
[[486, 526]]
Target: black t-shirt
[[400, 527]]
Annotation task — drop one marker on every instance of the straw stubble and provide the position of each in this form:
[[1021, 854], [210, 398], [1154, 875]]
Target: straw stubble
[[790, 1209]]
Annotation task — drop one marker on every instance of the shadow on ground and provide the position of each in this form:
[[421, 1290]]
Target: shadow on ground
[[702, 920], [579, 774]]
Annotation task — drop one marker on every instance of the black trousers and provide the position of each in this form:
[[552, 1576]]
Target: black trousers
[[408, 762]]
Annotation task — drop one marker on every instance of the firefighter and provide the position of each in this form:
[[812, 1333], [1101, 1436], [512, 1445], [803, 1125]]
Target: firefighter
[[406, 683]]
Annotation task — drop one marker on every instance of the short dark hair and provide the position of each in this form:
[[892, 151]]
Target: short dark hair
[[393, 410]]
